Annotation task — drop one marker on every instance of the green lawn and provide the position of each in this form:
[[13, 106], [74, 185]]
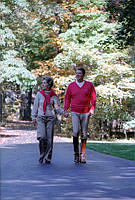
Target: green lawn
[[122, 150]]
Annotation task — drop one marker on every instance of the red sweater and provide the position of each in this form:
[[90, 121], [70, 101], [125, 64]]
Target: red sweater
[[80, 100]]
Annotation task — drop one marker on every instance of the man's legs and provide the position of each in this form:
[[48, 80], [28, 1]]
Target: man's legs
[[84, 119], [83, 149], [76, 149], [75, 124]]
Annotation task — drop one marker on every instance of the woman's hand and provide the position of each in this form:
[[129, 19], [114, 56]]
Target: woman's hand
[[34, 122], [90, 113], [66, 114]]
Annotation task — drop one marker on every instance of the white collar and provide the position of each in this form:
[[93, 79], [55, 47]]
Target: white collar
[[80, 84]]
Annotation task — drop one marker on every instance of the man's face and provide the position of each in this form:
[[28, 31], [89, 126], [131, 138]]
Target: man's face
[[79, 75], [45, 85]]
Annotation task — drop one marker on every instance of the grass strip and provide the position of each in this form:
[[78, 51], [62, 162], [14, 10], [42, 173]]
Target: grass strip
[[126, 151]]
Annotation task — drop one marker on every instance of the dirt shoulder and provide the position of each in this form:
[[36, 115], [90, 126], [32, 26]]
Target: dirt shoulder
[[21, 132]]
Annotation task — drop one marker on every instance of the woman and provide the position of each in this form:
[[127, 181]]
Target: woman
[[46, 105]]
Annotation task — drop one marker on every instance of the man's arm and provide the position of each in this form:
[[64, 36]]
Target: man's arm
[[92, 100], [67, 99]]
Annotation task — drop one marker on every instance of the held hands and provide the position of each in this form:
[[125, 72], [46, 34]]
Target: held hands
[[66, 114], [34, 122], [90, 113]]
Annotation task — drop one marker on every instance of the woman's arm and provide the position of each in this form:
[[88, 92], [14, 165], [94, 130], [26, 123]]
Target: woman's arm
[[58, 108], [35, 107]]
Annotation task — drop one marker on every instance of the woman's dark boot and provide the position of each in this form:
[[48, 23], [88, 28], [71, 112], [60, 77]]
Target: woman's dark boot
[[76, 149], [83, 149]]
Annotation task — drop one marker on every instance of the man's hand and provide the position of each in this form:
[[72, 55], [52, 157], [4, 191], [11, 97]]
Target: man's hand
[[90, 114], [66, 114], [34, 122]]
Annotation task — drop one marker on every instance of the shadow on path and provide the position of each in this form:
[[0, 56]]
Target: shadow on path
[[104, 177]]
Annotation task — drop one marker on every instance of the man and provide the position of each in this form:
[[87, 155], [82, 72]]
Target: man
[[80, 97]]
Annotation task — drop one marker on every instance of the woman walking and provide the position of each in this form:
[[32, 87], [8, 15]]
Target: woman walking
[[46, 105]]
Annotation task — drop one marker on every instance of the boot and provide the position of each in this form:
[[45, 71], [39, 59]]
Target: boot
[[76, 149], [83, 149], [42, 150]]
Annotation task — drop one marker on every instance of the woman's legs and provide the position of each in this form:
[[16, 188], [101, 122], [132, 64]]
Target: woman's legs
[[41, 135], [45, 132], [49, 137]]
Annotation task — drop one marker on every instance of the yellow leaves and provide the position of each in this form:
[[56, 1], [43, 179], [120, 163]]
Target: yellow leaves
[[55, 40], [93, 9], [51, 41], [44, 28], [43, 48], [59, 41], [48, 68], [67, 16], [52, 19], [32, 15], [66, 4], [51, 35], [89, 10]]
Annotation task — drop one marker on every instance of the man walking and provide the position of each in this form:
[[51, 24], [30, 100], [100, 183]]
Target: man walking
[[80, 97]]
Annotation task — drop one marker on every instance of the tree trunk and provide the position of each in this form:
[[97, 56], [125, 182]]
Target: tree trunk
[[25, 110]]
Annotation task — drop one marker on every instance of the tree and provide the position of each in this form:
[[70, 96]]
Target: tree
[[12, 67], [123, 11], [52, 37], [107, 66]]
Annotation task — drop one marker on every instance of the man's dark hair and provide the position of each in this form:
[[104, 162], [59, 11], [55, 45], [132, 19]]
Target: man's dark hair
[[81, 69], [49, 80]]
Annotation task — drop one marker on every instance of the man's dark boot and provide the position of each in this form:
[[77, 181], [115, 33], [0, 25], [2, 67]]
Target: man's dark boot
[[42, 150], [83, 149], [76, 149]]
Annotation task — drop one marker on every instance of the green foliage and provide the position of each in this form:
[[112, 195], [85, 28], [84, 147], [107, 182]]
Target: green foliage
[[36, 25], [12, 67], [129, 125], [124, 12], [88, 3], [87, 35], [107, 67], [13, 70], [58, 35]]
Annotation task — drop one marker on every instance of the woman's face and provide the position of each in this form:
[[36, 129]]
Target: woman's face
[[45, 85]]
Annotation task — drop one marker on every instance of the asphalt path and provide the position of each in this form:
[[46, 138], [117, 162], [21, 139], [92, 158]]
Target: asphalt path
[[103, 177]]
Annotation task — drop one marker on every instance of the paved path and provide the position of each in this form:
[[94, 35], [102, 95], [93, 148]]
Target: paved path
[[104, 177]]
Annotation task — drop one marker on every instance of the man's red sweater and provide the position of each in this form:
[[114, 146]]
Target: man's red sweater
[[80, 100]]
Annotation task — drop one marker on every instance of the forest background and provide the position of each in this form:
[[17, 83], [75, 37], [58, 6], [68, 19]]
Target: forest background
[[51, 37]]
